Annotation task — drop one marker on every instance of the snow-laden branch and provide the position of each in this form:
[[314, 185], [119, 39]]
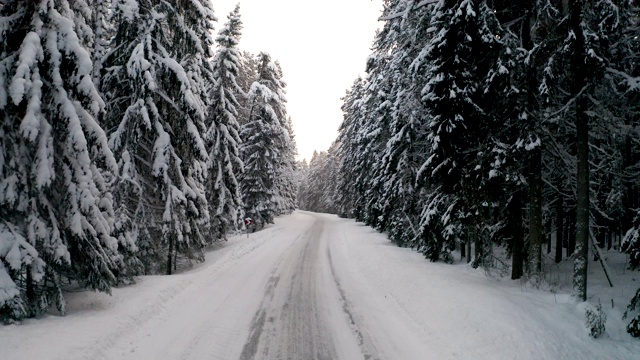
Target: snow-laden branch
[[407, 10], [633, 83]]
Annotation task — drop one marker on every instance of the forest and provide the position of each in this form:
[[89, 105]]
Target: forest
[[133, 135], [488, 126]]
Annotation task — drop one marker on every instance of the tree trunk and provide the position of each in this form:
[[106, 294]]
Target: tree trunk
[[547, 234], [479, 257], [571, 233], [582, 145], [463, 248], [535, 212], [468, 248], [559, 228], [170, 255], [517, 234], [535, 166], [31, 292]]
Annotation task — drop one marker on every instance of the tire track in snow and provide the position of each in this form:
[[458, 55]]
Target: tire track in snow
[[288, 323], [156, 309], [257, 323], [364, 341], [135, 321]]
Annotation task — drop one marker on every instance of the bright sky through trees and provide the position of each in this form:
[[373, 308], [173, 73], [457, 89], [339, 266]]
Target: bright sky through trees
[[322, 47]]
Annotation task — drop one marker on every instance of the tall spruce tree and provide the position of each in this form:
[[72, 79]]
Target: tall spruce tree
[[56, 210], [157, 116], [404, 152], [349, 203], [302, 177], [225, 164], [588, 34], [287, 188], [265, 141], [454, 67]]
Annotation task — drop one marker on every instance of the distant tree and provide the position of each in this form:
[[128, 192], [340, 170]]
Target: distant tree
[[302, 180], [320, 195], [287, 187]]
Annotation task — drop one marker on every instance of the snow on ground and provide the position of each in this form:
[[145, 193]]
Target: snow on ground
[[316, 286]]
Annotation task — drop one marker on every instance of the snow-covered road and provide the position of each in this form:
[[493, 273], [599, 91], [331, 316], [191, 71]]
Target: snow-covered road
[[316, 287]]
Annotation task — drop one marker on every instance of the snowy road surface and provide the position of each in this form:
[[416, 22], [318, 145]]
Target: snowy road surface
[[316, 287]]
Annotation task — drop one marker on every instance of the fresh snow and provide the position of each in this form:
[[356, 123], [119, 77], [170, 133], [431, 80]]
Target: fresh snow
[[317, 286]]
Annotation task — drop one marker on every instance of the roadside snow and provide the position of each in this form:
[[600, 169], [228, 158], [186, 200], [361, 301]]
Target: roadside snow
[[381, 301]]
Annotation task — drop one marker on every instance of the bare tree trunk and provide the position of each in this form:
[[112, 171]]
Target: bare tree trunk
[[170, 255], [517, 234], [559, 227], [31, 292], [547, 234], [535, 212], [582, 144], [571, 233], [479, 250], [468, 248], [535, 166]]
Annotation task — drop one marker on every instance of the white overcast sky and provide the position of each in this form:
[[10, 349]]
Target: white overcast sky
[[322, 47]]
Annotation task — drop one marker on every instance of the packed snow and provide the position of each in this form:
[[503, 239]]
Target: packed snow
[[317, 286]]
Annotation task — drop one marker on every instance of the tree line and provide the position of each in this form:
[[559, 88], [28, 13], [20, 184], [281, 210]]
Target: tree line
[[494, 124], [131, 137]]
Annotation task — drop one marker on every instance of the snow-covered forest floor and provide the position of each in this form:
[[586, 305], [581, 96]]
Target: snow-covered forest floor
[[314, 285]]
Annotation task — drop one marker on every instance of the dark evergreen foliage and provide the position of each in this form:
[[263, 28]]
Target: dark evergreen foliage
[[494, 123]]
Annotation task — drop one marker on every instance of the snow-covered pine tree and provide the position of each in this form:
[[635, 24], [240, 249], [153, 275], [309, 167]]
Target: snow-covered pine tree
[[578, 95], [514, 144], [223, 140], [248, 73], [102, 29], [194, 44], [302, 180], [315, 182], [371, 124], [404, 152], [56, 210], [626, 73], [287, 187], [350, 201], [264, 140], [156, 117], [287, 148], [453, 68], [321, 195]]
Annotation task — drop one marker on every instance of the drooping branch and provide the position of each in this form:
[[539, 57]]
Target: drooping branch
[[407, 10]]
